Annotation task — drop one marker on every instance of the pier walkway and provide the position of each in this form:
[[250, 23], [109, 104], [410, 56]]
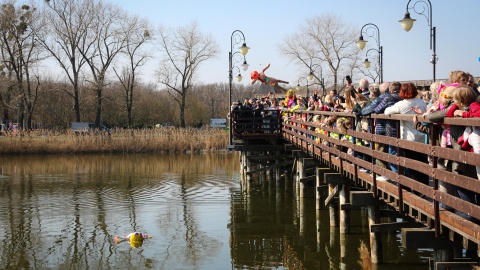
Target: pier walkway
[[285, 145]]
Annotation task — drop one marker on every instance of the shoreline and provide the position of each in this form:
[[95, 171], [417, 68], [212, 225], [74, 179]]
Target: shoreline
[[119, 141]]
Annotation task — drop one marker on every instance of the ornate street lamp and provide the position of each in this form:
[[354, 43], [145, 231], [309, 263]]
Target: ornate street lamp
[[310, 76], [300, 88], [245, 65], [376, 36], [239, 76], [426, 11], [367, 63], [237, 38]]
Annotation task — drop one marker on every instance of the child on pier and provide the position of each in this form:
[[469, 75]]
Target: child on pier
[[343, 124], [467, 106]]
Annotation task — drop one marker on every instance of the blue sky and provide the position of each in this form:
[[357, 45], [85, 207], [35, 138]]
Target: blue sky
[[266, 22]]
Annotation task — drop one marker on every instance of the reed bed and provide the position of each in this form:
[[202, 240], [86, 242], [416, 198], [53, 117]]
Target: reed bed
[[161, 140]]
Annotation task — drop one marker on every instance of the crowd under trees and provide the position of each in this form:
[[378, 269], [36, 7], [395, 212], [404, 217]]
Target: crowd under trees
[[99, 51]]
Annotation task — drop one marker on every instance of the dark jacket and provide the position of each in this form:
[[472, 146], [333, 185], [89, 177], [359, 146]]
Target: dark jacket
[[370, 108], [357, 109], [372, 104], [387, 101]]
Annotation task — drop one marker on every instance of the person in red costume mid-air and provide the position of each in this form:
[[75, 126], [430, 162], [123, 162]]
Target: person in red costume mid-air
[[255, 75]]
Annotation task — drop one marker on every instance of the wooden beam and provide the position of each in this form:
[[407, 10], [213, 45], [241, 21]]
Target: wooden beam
[[288, 147], [321, 174], [332, 195], [362, 198], [456, 265], [309, 162], [269, 157], [335, 179], [308, 179], [415, 238], [258, 148], [349, 206], [390, 227], [322, 188], [273, 166], [297, 153], [391, 214]]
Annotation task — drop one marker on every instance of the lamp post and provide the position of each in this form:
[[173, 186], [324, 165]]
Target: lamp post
[[361, 45], [236, 38], [407, 24], [299, 87], [367, 63], [311, 76], [239, 76]]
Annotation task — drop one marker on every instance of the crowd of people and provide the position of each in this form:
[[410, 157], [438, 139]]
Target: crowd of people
[[459, 97]]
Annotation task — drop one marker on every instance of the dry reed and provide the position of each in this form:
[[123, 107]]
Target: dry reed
[[161, 140]]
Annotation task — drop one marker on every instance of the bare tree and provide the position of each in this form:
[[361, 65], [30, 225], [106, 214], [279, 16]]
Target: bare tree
[[185, 48], [68, 24], [8, 94], [325, 41], [214, 97], [137, 33], [19, 28], [105, 40]]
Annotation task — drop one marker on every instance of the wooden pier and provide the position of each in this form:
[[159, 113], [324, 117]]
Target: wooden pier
[[285, 148]]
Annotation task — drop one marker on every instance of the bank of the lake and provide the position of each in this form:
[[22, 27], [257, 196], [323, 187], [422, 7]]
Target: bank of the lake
[[160, 140]]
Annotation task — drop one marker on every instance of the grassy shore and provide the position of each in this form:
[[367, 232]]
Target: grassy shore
[[161, 140]]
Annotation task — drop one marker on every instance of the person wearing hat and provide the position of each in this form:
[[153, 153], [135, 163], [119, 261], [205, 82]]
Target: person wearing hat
[[260, 76]]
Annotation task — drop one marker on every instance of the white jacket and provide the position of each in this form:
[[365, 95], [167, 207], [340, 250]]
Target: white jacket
[[407, 128]]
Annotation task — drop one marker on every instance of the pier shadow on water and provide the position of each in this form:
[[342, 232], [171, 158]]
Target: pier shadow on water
[[62, 212]]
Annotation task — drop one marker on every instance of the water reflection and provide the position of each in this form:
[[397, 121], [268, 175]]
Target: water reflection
[[272, 228], [59, 212], [62, 212]]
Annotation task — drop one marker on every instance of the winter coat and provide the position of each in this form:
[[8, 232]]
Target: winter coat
[[407, 129], [370, 108], [372, 104], [389, 126]]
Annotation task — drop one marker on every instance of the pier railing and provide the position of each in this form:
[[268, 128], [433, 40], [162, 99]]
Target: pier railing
[[256, 124], [434, 202], [409, 193]]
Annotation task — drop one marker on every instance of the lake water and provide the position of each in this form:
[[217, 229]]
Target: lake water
[[63, 212]]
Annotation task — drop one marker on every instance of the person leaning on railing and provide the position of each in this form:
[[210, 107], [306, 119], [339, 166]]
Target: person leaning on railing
[[377, 94], [409, 93], [455, 133], [361, 125], [391, 97], [466, 106], [436, 112]]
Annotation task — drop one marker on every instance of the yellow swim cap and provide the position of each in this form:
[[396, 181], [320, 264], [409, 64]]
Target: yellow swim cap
[[136, 240], [136, 244], [135, 237]]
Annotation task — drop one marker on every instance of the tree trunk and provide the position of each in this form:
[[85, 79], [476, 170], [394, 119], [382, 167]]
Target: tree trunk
[[76, 102], [182, 112], [98, 115]]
